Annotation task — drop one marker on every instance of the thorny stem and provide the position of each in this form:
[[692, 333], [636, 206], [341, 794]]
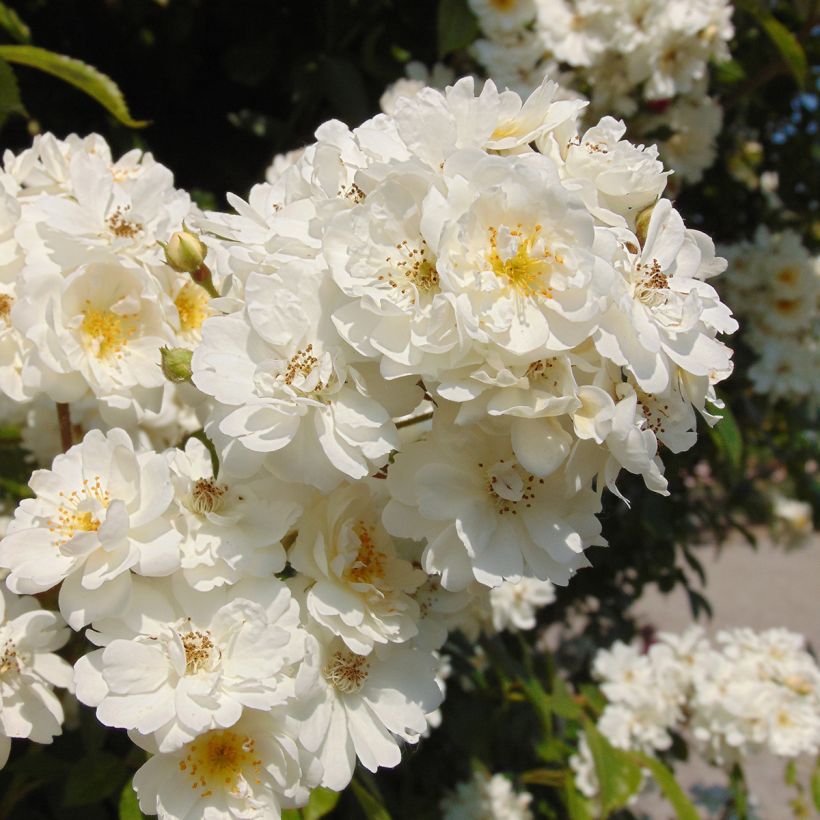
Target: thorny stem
[[64, 421]]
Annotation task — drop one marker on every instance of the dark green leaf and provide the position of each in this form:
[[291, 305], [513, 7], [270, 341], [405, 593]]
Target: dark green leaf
[[789, 47], [129, 808], [456, 26], [727, 439], [730, 72], [619, 777], [322, 802], [92, 778], [370, 805], [11, 22], [669, 786], [77, 73], [10, 102]]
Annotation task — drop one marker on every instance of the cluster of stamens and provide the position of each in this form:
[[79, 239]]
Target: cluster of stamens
[[301, 364], [69, 520], [524, 272], [220, 759], [9, 660], [542, 370], [368, 565], [414, 271], [106, 332], [352, 192], [652, 287], [506, 498], [6, 303], [120, 225], [192, 305], [654, 414], [206, 495], [346, 671], [200, 651]]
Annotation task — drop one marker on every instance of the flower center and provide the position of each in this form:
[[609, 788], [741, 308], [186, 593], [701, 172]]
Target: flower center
[[6, 302], [652, 285], [221, 759], [798, 684], [121, 226], [79, 512], [346, 671], [9, 662], [206, 495], [200, 652], [299, 368], [522, 260], [508, 486], [415, 268], [787, 306], [788, 276], [503, 5], [106, 332], [192, 306], [368, 566]]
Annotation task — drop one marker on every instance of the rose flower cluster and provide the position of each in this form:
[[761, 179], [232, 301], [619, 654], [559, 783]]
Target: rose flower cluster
[[412, 363]]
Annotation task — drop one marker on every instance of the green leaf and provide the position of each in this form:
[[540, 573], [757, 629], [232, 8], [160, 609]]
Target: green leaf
[[370, 805], [730, 72], [10, 102], [578, 807], [726, 436], [619, 777], [92, 778], [129, 808], [789, 47], [11, 22], [77, 73], [456, 26], [291, 814], [669, 786], [322, 801], [563, 703], [815, 785]]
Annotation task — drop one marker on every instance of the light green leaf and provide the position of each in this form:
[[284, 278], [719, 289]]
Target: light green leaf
[[578, 807], [815, 785], [789, 47], [129, 808], [11, 22], [456, 26], [669, 786], [370, 805], [727, 438], [77, 73], [322, 801], [619, 777], [563, 703]]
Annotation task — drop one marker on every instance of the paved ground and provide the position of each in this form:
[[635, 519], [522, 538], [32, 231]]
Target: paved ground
[[761, 589]]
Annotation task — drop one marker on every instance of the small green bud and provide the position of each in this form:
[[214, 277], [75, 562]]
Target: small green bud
[[185, 253], [176, 364]]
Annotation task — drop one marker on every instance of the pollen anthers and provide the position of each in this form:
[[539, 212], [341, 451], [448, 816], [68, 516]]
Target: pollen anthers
[[652, 284], [119, 224], [106, 333], [346, 671], [6, 303], [192, 305], [368, 565], [78, 511], [207, 495], [221, 759], [352, 192], [200, 651], [9, 659], [414, 271], [509, 485], [655, 415], [543, 370], [302, 364], [526, 269]]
